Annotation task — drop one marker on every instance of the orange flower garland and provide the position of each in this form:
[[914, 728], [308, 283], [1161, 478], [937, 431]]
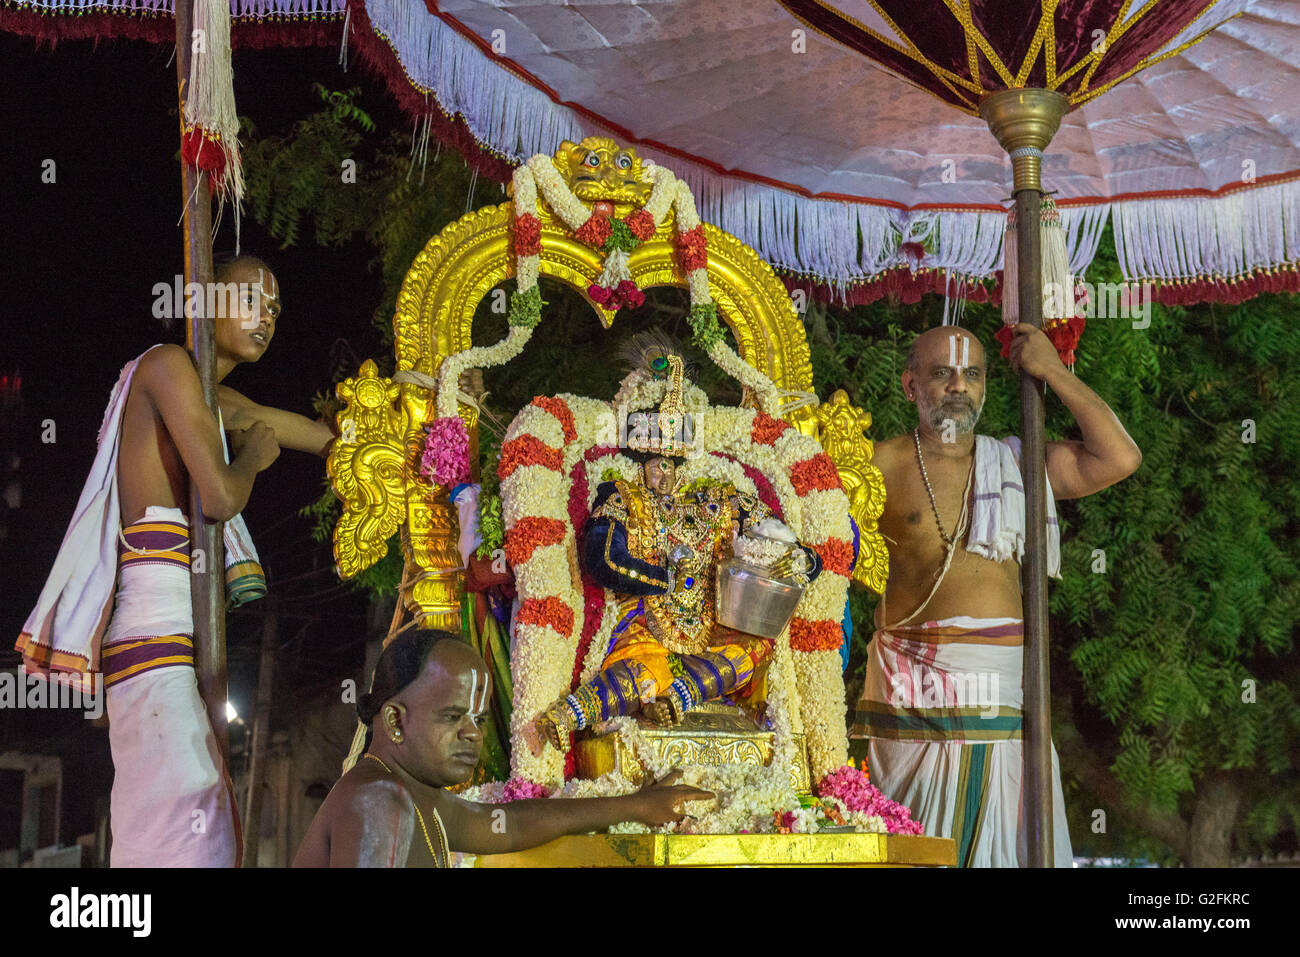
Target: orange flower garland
[[528, 235], [641, 224], [767, 429], [563, 414], [594, 231], [836, 555], [527, 450], [808, 635], [531, 533], [817, 474], [550, 612], [692, 249]]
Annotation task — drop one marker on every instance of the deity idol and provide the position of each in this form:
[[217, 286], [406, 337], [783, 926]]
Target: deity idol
[[657, 545]]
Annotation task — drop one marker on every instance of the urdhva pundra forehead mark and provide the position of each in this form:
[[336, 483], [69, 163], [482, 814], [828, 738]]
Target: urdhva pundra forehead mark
[[477, 696], [952, 352]]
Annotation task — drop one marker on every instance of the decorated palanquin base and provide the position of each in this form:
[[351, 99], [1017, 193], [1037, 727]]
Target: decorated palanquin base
[[598, 219], [732, 850]]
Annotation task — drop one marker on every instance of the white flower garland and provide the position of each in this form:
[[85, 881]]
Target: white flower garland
[[764, 390], [478, 357], [667, 192], [821, 688], [812, 689], [662, 194], [541, 658], [625, 467], [571, 210], [526, 273]]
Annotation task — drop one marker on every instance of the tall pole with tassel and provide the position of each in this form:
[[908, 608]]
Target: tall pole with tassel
[[1024, 122], [207, 588]]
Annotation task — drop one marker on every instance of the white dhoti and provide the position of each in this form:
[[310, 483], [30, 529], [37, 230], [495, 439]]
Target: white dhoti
[[128, 615], [941, 708], [172, 803]]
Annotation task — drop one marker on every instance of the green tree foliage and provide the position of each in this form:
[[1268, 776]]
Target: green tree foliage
[[1173, 670], [399, 199], [1184, 643]]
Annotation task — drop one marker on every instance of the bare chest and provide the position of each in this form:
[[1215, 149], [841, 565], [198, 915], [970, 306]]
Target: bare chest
[[920, 502], [150, 470]]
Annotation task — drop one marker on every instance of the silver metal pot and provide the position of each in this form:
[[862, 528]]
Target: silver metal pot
[[752, 601]]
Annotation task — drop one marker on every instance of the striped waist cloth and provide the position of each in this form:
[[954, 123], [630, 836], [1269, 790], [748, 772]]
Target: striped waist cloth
[[126, 659], [875, 719], [946, 632], [154, 543], [957, 679]]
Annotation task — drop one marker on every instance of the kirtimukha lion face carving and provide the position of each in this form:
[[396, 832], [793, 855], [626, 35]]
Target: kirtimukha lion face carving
[[599, 169]]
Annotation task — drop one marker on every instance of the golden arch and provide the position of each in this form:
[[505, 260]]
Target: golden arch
[[374, 467], [469, 258]]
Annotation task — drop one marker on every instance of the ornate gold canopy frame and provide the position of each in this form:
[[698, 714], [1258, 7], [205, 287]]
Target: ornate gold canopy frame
[[374, 467]]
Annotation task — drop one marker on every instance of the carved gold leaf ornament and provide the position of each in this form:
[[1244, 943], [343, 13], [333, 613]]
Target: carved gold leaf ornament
[[367, 469], [842, 430]]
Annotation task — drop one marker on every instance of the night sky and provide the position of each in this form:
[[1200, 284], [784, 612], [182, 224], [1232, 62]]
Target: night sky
[[80, 259]]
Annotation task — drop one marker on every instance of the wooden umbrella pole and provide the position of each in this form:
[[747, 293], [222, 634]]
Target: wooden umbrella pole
[[1037, 741], [1024, 122], [207, 584]]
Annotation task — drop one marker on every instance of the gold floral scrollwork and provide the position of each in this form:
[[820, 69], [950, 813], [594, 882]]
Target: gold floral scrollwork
[[842, 429], [366, 469]]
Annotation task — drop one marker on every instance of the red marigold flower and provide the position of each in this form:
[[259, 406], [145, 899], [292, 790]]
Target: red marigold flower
[[821, 635], [641, 224], [817, 474], [560, 409], [692, 249], [600, 295], [529, 534], [836, 555], [594, 231], [528, 235], [550, 612], [528, 450], [767, 430]]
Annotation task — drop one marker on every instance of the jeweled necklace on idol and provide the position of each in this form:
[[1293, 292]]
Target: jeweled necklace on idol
[[437, 819]]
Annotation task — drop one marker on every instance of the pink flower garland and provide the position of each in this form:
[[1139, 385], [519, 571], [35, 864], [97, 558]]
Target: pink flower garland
[[446, 452], [852, 787], [521, 789]]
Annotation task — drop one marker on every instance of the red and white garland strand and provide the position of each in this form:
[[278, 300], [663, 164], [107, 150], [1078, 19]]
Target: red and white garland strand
[[542, 447]]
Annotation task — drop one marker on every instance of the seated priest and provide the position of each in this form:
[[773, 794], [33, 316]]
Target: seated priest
[[657, 546], [424, 719]]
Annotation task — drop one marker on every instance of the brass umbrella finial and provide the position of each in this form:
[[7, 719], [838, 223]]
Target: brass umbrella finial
[[1024, 122]]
